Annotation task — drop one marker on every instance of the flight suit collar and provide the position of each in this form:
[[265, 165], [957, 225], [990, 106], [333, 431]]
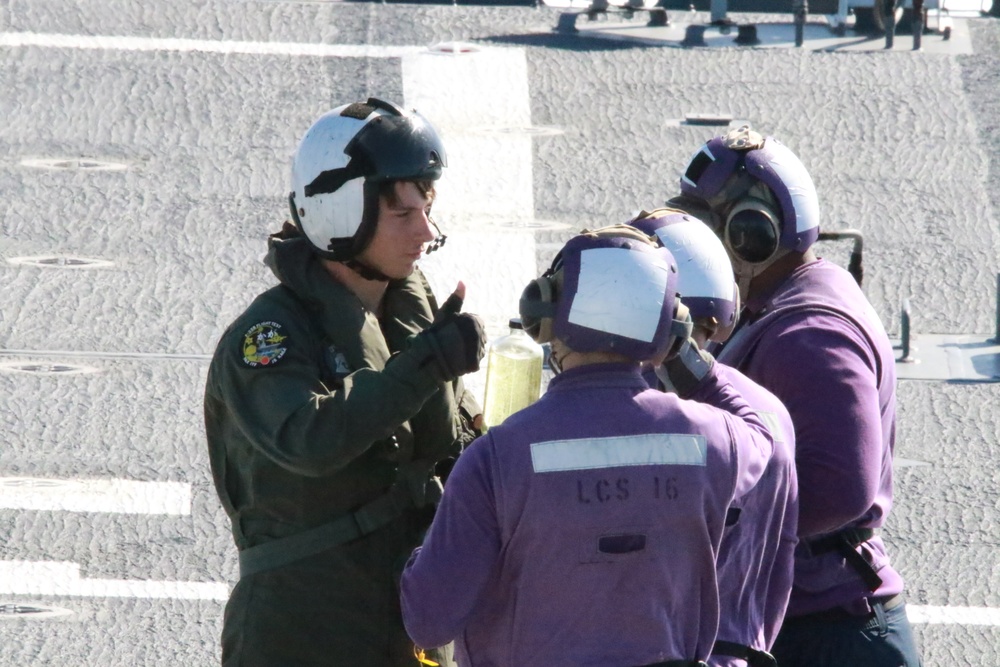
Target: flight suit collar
[[356, 331]]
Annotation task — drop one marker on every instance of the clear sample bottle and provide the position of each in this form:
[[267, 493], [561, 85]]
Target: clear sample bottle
[[513, 374]]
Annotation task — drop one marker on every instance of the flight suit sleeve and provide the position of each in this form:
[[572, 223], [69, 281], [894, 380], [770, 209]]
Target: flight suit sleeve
[[752, 444], [445, 578], [286, 412], [415, 291]]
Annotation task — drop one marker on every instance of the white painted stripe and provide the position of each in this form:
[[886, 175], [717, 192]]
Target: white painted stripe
[[563, 4], [620, 451], [63, 579], [953, 615], [120, 43], [83, 354], [621, 292], [95, 495]]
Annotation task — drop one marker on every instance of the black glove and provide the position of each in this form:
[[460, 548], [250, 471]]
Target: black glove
[[685, 365], [456, 341], [684, 371]]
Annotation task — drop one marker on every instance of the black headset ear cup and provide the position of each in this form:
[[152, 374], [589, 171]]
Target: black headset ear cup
[[752, 233], [369, 218], [530, 322], [537, 308]]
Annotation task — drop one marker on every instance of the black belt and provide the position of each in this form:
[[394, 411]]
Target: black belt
[[754, 657], [364, 521], [678, 663], [889, 602], [844, 542]]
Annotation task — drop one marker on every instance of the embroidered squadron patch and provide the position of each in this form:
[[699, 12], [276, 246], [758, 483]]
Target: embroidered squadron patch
[[263, 344]]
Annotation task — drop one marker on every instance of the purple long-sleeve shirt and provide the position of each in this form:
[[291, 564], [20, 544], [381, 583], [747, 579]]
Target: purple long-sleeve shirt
[[584, 529], [817, 344], [755, 562]]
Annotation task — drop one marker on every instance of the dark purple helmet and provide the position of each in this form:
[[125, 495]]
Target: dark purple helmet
[[611, 290], [760, 194]]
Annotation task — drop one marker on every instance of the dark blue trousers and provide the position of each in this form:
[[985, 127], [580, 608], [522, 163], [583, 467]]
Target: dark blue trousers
[[884, 639]]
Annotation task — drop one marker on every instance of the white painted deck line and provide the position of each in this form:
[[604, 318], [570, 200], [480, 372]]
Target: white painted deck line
[[89, 354], [479, 102], [953, 615], [967, 8], [47, 578], [122, 43], [117, 496]]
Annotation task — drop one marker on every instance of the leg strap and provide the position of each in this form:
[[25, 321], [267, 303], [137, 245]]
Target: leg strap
[[346, 528]]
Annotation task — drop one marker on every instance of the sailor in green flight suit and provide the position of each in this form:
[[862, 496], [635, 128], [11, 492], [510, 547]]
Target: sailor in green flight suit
[[335, 399]]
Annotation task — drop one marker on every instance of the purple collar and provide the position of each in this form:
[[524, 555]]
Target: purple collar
[[598, 375], [757, 305]]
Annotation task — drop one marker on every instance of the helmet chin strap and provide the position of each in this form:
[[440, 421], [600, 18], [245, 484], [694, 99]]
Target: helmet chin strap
[[557, 360], [365, 271]]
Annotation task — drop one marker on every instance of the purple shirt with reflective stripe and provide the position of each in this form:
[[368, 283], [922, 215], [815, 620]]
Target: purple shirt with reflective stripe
[[755, 561], [818, 345], [584, 529]]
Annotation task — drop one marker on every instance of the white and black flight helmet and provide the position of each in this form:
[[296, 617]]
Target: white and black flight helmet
[[340, 164]]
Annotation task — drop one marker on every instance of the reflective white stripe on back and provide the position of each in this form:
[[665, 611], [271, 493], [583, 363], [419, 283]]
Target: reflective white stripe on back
[[773, 425], [619, 451]]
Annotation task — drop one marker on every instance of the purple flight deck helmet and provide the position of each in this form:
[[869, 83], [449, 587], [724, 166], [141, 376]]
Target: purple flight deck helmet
[[613, 290], [706, 282], [754, 222]]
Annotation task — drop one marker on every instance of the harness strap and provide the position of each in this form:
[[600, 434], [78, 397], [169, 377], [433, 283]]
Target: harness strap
[[844, 542], [754, 657], [351, 526]]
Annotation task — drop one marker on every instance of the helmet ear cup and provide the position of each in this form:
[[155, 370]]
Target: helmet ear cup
[[538, 308], [752, 232], [369, 221]]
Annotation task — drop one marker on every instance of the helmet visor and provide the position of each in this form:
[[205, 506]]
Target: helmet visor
[[392, 148]]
